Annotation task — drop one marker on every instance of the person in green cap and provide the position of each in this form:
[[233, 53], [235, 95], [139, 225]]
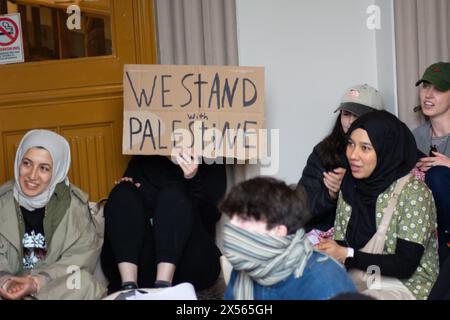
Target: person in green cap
[[432, 139]]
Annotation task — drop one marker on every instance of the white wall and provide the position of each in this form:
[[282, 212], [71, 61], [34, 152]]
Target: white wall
[[312, 51], [386, 65]]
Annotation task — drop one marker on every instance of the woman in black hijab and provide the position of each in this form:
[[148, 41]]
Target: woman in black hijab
[[395, 150], [381, 152]]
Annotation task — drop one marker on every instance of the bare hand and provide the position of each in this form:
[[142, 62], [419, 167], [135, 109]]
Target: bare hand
[[18, 287], [439, 159], [331, 248], [188, 163], [127, 179], [333, 180]]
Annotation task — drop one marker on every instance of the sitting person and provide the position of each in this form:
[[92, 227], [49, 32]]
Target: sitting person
[[385, 217], [324, 170], [160, 222], [433, 139], [48, 243], [268, 249]]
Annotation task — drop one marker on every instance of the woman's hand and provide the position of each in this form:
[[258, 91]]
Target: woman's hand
[[331, 248], [333, 180], [17, 288], [127, 179], [188, 163], [439, 159]]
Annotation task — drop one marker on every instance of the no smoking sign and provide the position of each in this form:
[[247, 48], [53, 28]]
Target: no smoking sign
[[9, 31], [11, 47]]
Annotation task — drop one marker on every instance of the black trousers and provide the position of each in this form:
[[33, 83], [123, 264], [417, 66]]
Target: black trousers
[[171, 232], [438, 180], [441, 289]]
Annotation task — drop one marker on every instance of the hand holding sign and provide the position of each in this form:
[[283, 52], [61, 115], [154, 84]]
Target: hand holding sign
[[188, 163], [127, 179]]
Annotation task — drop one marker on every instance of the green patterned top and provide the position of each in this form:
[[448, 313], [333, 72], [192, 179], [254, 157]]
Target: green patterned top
[[414, 220]]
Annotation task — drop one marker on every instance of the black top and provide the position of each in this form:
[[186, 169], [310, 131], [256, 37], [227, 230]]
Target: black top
[[207, 187], [34, 244], [400, 265], [321, 205]]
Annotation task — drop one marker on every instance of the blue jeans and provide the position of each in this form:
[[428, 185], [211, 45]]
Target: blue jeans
[[438, 180]]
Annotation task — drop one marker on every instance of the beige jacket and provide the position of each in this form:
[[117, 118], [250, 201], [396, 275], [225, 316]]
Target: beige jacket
[[72, 252]]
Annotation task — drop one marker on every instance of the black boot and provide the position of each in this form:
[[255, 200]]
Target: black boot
[[162, 284], [128, 285]]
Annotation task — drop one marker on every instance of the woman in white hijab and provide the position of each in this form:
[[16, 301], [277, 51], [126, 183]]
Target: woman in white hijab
[[48, 244]]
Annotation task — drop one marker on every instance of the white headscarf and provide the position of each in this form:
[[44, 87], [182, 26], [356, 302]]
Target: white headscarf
[[59, 150]]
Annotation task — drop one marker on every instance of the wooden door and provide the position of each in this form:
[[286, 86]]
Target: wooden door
[[80, 98]]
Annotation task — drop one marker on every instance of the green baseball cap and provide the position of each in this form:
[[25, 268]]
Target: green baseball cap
[[438, 74]]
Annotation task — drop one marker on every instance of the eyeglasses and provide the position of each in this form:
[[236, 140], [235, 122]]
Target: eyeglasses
[[433, 148]]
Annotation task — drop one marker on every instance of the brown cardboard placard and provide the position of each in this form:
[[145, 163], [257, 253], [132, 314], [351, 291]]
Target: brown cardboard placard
[[216, 110]]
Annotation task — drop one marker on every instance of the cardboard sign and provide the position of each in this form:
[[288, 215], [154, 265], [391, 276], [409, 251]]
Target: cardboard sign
[[217, 111], [11, 46]]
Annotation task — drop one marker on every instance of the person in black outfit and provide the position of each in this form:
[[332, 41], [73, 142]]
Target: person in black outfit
[[160, 224], [325, 167]]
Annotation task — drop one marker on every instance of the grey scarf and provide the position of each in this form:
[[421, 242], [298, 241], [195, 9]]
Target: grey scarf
[[264, 258]]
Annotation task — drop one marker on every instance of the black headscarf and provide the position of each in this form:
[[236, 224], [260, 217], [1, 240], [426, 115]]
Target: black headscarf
[[396, 151]]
